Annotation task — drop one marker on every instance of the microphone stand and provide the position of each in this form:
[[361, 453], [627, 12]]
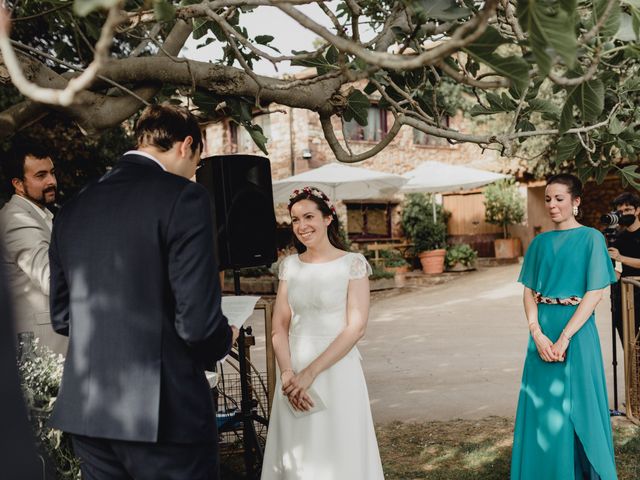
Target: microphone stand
[[253, 451]]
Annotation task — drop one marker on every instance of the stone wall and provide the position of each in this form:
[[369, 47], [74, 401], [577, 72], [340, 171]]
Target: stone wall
[[296, 134]]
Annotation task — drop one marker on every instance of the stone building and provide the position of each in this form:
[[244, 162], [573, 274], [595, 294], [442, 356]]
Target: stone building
[[296, 144]]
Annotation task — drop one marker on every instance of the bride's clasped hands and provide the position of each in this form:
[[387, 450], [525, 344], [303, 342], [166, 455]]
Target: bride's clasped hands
[[295, 387]]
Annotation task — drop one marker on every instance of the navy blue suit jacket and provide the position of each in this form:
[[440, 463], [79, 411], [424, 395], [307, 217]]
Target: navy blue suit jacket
[[134, 284]]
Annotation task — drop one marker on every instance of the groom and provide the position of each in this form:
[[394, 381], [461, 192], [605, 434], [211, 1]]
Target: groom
[[134, 284]]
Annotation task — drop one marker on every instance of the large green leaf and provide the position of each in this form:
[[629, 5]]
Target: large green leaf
[[514, 68], [445, 10], [205, 101], [202, 26], [82, 8], [357, 107], [589, 98], [332, 55], [545, 107], [487, 43], [266, 41], [258, 136], [550, 27], [630, 175], [321, 64], [497, 104], [566, 148], [612, 22], [616, 127], [163, 10]]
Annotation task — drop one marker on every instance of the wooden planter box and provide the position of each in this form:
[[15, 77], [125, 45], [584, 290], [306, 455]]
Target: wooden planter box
[[508, 247]]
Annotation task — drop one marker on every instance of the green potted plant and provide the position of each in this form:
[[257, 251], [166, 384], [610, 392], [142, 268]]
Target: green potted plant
[[424, 222], [460, 257], [504, 206], [394, 262]]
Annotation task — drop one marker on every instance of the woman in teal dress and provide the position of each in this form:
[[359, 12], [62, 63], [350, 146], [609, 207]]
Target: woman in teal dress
[[562, 430]]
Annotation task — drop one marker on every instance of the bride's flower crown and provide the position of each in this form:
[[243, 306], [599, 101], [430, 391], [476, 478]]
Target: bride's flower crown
[[316, 192]]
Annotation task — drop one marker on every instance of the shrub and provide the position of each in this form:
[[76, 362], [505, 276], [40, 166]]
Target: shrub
[[40, 376], [393, 258], [460, 253], [419, 225], [503, 204]]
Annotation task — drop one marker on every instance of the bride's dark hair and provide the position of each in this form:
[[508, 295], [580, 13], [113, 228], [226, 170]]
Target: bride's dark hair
[[318, 197]]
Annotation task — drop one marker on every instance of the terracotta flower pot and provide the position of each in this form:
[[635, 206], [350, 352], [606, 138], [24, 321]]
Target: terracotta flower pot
[[508, 247], [396, 270], [433, 261]]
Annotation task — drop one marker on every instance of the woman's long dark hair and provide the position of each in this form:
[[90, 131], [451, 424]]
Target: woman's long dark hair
[[333, 230]]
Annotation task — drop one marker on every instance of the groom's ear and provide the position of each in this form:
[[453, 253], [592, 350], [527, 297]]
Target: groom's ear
[[185, 146]]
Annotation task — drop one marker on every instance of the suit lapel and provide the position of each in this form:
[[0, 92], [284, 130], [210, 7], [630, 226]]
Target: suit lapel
[[29, 209]]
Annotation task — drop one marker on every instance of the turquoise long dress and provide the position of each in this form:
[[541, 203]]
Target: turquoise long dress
[[562, 429]]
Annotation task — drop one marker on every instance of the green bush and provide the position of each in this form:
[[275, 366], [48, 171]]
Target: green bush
[[419, 225], [503, 204], [460, 253], [378, 273], [40, 376], [393, 258]]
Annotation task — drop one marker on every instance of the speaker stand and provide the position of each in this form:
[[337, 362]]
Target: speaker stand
[[253, 452]]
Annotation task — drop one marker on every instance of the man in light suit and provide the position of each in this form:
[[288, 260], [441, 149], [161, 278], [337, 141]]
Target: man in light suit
[[25, 224], [17, 450], [134, 283]]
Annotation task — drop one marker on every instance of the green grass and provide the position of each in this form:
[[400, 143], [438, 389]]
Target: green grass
[[473, 450], [461, 450]]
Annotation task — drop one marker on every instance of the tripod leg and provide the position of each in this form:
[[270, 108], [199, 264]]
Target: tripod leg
[[252, 449], [614, 350]]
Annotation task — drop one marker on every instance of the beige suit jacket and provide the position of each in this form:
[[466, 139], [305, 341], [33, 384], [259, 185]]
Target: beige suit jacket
[[26, 237]]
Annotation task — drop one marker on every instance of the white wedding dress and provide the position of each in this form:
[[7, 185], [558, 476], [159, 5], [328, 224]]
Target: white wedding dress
[[338, 443]]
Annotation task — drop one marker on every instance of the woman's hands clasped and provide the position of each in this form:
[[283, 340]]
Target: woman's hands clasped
[[549, 351], [295, 385]]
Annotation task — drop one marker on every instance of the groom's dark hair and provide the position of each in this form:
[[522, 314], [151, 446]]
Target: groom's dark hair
[[161, 126]]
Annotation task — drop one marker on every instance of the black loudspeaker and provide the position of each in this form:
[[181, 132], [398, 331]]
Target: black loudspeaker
[[241, 192]]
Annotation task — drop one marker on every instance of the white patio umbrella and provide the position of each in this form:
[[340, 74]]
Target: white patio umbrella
[[436, 177], [341, 182]]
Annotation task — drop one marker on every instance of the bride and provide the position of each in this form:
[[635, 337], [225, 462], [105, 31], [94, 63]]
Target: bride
[[320, 426]]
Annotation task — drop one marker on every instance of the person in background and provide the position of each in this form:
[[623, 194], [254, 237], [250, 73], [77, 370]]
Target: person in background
[[626, 250], [320, 314], [562, 429], [134, 284], [25, 225]]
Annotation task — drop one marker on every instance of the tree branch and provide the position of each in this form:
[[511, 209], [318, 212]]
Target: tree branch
[[586, 38], [464, 35], [64, 97], [588, 75], [92, 111], [342, 155], [472, 82]]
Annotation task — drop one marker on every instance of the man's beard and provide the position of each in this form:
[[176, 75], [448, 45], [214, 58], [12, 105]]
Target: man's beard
[[41, 199]]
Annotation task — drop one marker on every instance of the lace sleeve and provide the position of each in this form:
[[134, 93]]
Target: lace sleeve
[[360, 268], [283, 268]]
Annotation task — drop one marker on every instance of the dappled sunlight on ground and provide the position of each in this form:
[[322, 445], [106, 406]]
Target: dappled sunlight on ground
[[475, 449]]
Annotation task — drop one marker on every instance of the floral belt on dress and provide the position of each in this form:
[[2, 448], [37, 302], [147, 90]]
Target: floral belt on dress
[[573, 300]]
